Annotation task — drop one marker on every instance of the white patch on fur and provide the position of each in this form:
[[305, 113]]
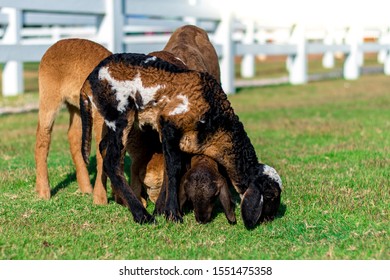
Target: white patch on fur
[[182, 107], [271, 172], [110, 125], [149, 59], [128, 88]]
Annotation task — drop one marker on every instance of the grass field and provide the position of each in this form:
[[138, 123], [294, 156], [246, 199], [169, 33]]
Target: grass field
[[329, 140]]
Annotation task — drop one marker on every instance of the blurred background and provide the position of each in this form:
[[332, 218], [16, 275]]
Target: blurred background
[[258, 42]]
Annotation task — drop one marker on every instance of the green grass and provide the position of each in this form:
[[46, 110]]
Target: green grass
[[329, 140]]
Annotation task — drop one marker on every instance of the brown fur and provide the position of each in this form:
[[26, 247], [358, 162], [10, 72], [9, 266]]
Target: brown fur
[[192, 45], [62, 71]]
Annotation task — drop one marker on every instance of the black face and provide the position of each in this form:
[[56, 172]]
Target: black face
[[271, 202]]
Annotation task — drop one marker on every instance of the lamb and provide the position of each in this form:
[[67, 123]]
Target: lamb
[[62, 72], [191, 114], [202, 184]]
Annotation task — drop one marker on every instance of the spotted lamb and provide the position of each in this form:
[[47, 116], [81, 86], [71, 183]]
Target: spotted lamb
[[191, 114]]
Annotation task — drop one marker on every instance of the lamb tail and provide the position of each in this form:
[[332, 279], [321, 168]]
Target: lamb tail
[[86, 120]]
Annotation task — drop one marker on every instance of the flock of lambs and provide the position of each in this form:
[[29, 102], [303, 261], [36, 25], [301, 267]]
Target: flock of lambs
[[169, 112]]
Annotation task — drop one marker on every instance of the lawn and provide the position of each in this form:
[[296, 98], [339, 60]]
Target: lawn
[[330, 141]]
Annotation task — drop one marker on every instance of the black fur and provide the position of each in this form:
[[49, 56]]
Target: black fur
[[174, 161], [262, 194], [221, 116], [86, 122], [136, 59], [111, 145]]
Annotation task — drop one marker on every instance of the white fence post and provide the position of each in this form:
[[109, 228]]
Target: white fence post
[[248, 61], [110, 29], [13, 70], [386, 64], [328, 58], [191, 20], [261, 38], [297, 63], [386, 60], [383, 39], [223, 36], [384, 55], [351, 69]]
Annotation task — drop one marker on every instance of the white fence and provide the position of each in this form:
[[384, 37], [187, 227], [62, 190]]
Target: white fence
[[28, 28]]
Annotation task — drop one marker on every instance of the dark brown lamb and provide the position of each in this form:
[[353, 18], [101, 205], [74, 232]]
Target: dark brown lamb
[[201, 185]]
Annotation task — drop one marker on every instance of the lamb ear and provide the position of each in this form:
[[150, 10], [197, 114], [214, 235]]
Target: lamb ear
[[251, 206], [227, 203]]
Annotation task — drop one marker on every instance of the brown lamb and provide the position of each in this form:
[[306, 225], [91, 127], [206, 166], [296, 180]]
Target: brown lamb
[[202, 184], [62, 72]]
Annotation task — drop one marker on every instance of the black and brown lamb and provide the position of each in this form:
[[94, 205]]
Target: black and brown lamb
[[192, 115]]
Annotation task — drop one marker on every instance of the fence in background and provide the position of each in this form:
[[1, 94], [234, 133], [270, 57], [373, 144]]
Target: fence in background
[[29, 28]]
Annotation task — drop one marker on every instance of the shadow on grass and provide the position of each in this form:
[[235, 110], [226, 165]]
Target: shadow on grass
[[64, 183], [71, 177], [281, 211]]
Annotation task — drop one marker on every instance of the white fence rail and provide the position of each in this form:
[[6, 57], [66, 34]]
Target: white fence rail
[[28, 28]]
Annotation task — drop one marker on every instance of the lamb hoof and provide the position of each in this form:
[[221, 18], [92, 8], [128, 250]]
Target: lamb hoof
[[173, 216], [158, 211], [87, 189], [44, 193], [146, 218], [100, 199], [119, 200]]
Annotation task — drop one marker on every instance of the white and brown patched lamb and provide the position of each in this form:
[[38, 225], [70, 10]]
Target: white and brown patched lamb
[[191, 114]]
